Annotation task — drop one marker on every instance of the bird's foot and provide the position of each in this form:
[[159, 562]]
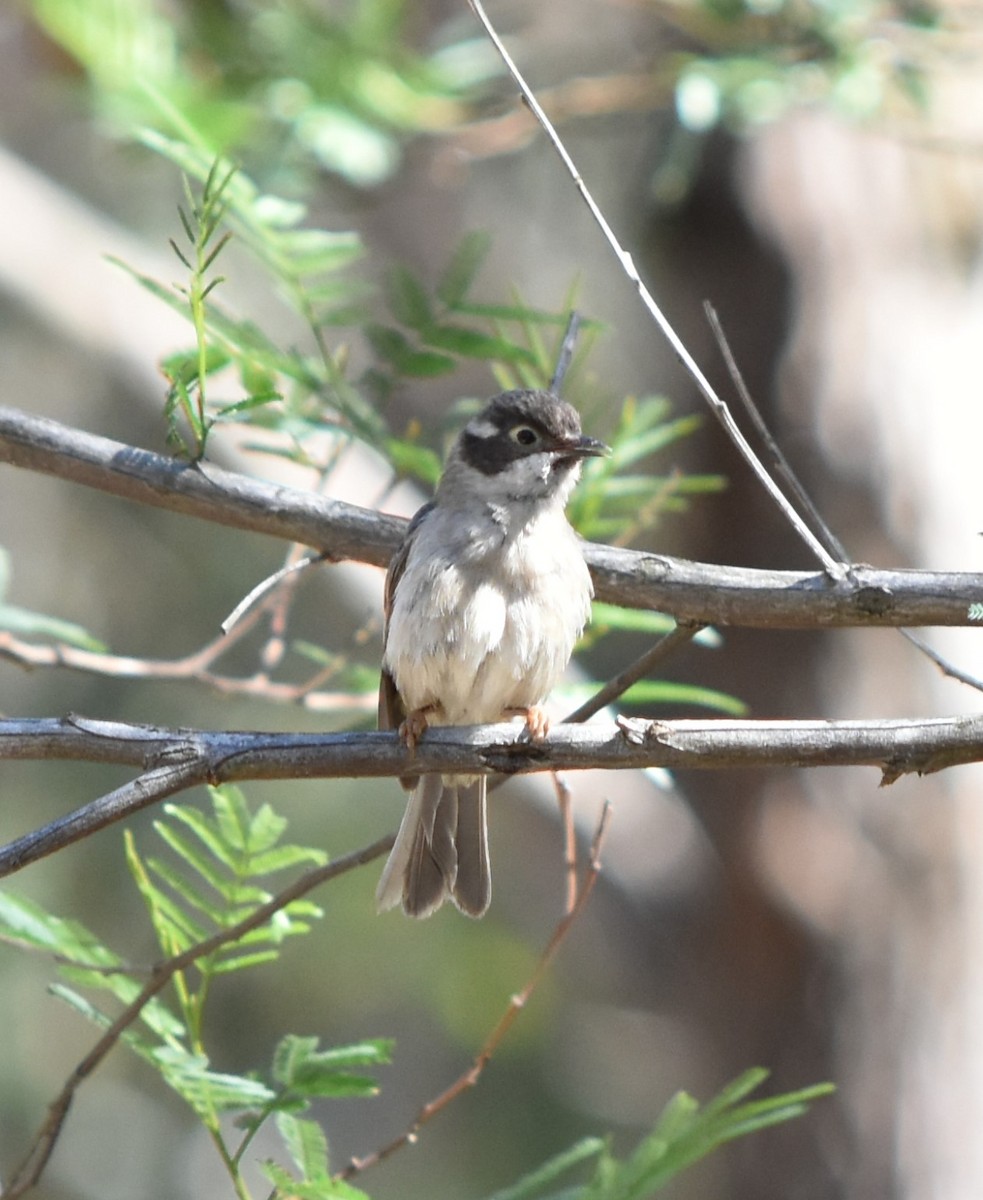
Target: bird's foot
[[415, 726], [536, 718]]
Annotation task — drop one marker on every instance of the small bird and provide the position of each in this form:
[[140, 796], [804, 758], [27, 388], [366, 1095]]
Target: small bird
[[484, 602]]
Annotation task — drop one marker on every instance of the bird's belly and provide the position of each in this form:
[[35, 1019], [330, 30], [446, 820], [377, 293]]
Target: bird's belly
[[472, 650]]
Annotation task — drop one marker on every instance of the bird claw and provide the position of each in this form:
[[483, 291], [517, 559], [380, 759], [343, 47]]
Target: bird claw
[[414, 727], [536, 718]]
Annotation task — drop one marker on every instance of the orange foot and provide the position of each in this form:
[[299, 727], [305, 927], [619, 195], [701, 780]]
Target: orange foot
[[415, 726], [537, 721]]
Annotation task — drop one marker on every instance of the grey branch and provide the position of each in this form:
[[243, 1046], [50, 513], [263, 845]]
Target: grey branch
[[172, 760], [692, 592]]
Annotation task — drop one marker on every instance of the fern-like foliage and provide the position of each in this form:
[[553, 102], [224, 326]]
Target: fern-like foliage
[[683, 1134], [212, 880]]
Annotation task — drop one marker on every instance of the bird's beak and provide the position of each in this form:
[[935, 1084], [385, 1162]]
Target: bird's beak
[[588, 447]]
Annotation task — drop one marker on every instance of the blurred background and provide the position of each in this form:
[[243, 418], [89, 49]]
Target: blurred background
[[813, 169]]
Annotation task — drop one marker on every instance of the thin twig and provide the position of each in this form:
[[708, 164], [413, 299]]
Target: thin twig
[[564, 800], [943, 664], [717, 406], [784, 467], [515, 1006], [27, 1174], [261, 589], [308, 693], [566, 353], [677, 637], [779, 460]]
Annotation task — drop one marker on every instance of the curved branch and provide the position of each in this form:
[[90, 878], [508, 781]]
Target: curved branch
[[691, 592], [173, 760]]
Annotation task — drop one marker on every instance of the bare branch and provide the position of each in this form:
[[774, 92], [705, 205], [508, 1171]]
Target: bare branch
[[696, 593], [341, 531], [577, 902], [173, 760]]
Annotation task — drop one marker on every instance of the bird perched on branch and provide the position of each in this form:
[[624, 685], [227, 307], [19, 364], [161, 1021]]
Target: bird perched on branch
[[484, 602]]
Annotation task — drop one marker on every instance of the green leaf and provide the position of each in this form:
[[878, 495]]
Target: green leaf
[[661, 691], [206, 832], [233, 820], [393, 348], [241, 961], [247, 407], [460, 273], [205, 1090], [175, 930], [472, 343], [534, 1184], [299, 1066], [408, 300], [320, 1189], [317, 251], [414, 460], [521, 313], [683, 1135], [281, 858], [636, 620], [183, 366], [187, 850], [22, 920], [31, 624], [307, 1145]]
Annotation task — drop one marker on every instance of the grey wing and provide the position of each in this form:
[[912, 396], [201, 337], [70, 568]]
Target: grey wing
[[392, 710]]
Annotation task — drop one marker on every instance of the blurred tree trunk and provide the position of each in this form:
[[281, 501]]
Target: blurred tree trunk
[[883, 240]]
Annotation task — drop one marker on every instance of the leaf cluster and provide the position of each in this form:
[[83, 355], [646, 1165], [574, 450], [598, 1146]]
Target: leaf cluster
[[209, 883], [757, 61], [683, 1134]]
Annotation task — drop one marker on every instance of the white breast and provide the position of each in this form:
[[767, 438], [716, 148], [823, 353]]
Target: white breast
[[488, 621]]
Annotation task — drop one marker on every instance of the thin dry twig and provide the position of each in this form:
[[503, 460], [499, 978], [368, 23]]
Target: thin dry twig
[[27, 1174], [778, 458], [564, 800], [516, 1004], [674, 640], [291, 568], [717, 406], [787, 472]]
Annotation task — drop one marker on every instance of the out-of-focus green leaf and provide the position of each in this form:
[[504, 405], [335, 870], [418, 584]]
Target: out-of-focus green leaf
[[414, 460], [408, 300], [460, 273], [30, 624], [472, 343]]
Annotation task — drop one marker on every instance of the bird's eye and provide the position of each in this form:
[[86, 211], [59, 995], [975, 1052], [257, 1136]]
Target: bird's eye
[[525, 435]]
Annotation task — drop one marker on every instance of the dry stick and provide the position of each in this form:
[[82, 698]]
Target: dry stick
[[717, 406], [669, 644], [779, 461], [564, 798], [566, 352], [260, 590], [784, 467], [115, 666], [29, 1171], [516, 1004]]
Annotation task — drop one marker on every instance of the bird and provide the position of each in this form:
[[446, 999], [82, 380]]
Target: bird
[[484, 601]]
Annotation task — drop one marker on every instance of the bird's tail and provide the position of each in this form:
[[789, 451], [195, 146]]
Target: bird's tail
[[441, 850]]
